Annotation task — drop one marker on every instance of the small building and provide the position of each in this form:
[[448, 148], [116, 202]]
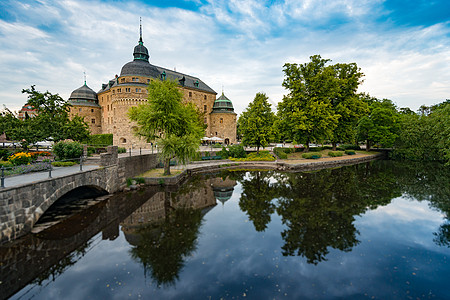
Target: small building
[[27, 111], [84, 103]]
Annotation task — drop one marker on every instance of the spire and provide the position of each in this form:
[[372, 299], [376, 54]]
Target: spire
[[84, 72], [140, 31]]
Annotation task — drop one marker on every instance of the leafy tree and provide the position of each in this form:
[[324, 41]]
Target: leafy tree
[[256, 122], [425, 136], [52, 120], [347, 103], [381, 125], [176, 126], [306, 113]]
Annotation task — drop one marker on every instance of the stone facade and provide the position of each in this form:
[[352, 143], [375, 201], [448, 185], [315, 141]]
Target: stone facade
[[91, 115]]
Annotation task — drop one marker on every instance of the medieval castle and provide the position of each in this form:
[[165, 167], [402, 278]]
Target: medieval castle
[[107, 110]]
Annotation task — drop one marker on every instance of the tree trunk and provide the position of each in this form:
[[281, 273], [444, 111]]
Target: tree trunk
[[167, 166], [334, 145], [257, 150], [367, 145], [307, 147]]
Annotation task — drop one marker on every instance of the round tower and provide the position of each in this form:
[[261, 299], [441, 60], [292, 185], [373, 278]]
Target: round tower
[[223, 120], [85, 104]]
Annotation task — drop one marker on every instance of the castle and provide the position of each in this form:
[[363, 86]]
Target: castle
[[107, 110]]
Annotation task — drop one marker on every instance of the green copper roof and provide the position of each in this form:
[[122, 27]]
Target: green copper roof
[[223, 104]]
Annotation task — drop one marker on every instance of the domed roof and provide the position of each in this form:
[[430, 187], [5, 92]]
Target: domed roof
[[140, 52], [83, 93], [140, 67], [223, 104]]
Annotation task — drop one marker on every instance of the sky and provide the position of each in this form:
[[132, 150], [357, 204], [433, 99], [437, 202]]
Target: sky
[[238, 46]]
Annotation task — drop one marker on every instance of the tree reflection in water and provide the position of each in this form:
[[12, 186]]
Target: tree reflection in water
[[162, 249], [319, 208]]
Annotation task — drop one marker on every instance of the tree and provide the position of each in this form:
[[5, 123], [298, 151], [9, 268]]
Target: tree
[[52, 120], [306, 114], [347, 103], [177, 127], [256, 122], [381, 125]]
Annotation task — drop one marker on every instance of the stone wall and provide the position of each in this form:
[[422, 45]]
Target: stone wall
[[90, 114], [223, 125]]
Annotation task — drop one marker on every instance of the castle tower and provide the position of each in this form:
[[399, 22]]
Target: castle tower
[[85, 104], [223, 120]]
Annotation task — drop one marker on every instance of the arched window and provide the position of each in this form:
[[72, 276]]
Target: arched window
[[122, 140]]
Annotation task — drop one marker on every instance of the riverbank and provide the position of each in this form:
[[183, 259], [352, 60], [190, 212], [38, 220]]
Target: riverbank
[[285, 165]]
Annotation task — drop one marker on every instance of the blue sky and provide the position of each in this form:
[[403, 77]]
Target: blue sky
[[402, 47]]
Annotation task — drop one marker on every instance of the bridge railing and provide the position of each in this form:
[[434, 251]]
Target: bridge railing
[[44, 166]]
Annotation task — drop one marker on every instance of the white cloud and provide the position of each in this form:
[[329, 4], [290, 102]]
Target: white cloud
[[241, 45]]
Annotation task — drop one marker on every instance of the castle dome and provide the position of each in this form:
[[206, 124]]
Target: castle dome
[[223, 104], [140, 68], [83, 94]]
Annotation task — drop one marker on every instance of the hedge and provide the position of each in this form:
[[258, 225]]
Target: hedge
[[312, 155], [335, 153], [350, 152], [105, 139]]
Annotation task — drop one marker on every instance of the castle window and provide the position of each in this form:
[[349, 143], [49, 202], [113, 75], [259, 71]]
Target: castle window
[[127, 90], [79, 109], [123, 140], [163, 75], [114, 91], [221, 120], [205, 97], [205, 121], [119, 90], [205, 107], [138, 90], [93, 121], [122, 80], [196, 83], [135, 79], [190, 94], [216, 133], [148, 80]]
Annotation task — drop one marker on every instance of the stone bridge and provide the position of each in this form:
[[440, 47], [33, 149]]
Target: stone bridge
[[22, 206]]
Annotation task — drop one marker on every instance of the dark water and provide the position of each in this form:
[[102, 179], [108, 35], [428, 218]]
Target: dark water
[[379, 230]]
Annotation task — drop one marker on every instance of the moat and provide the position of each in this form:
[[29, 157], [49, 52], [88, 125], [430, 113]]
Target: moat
[[377, 230]]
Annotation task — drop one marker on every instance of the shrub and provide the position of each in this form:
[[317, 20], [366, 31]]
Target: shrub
[[20, 158], [4, 153], [335, 153], [263, 156], [121, 150], [280, 153], [63, 163], [237, 151], [350, 152], [224, 153], [68, 150], [312, 155], [5, 164], [101, 139]]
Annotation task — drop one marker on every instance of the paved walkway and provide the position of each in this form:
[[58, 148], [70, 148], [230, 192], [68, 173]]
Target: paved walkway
[[18, 180]]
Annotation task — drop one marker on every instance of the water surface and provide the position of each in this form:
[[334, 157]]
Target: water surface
[[375, 230]]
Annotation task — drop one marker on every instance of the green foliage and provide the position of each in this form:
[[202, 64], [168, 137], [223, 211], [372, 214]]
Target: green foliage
[[101, 139], [381, 126], [5, 164], [306, 113], [425, 137], [280, 152], [51, 122], [350, 152], [255, 156], [68, 150], [256, 122], [4, 153], [237, 151], [178, 127], [312, 155], [224, 153], [121, 150], [335, 153], [63, 163]]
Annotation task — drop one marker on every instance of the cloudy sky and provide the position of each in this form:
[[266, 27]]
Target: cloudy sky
[[402, 47]]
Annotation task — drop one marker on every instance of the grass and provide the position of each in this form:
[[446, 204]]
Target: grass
[[159, 173], [298, 155]]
